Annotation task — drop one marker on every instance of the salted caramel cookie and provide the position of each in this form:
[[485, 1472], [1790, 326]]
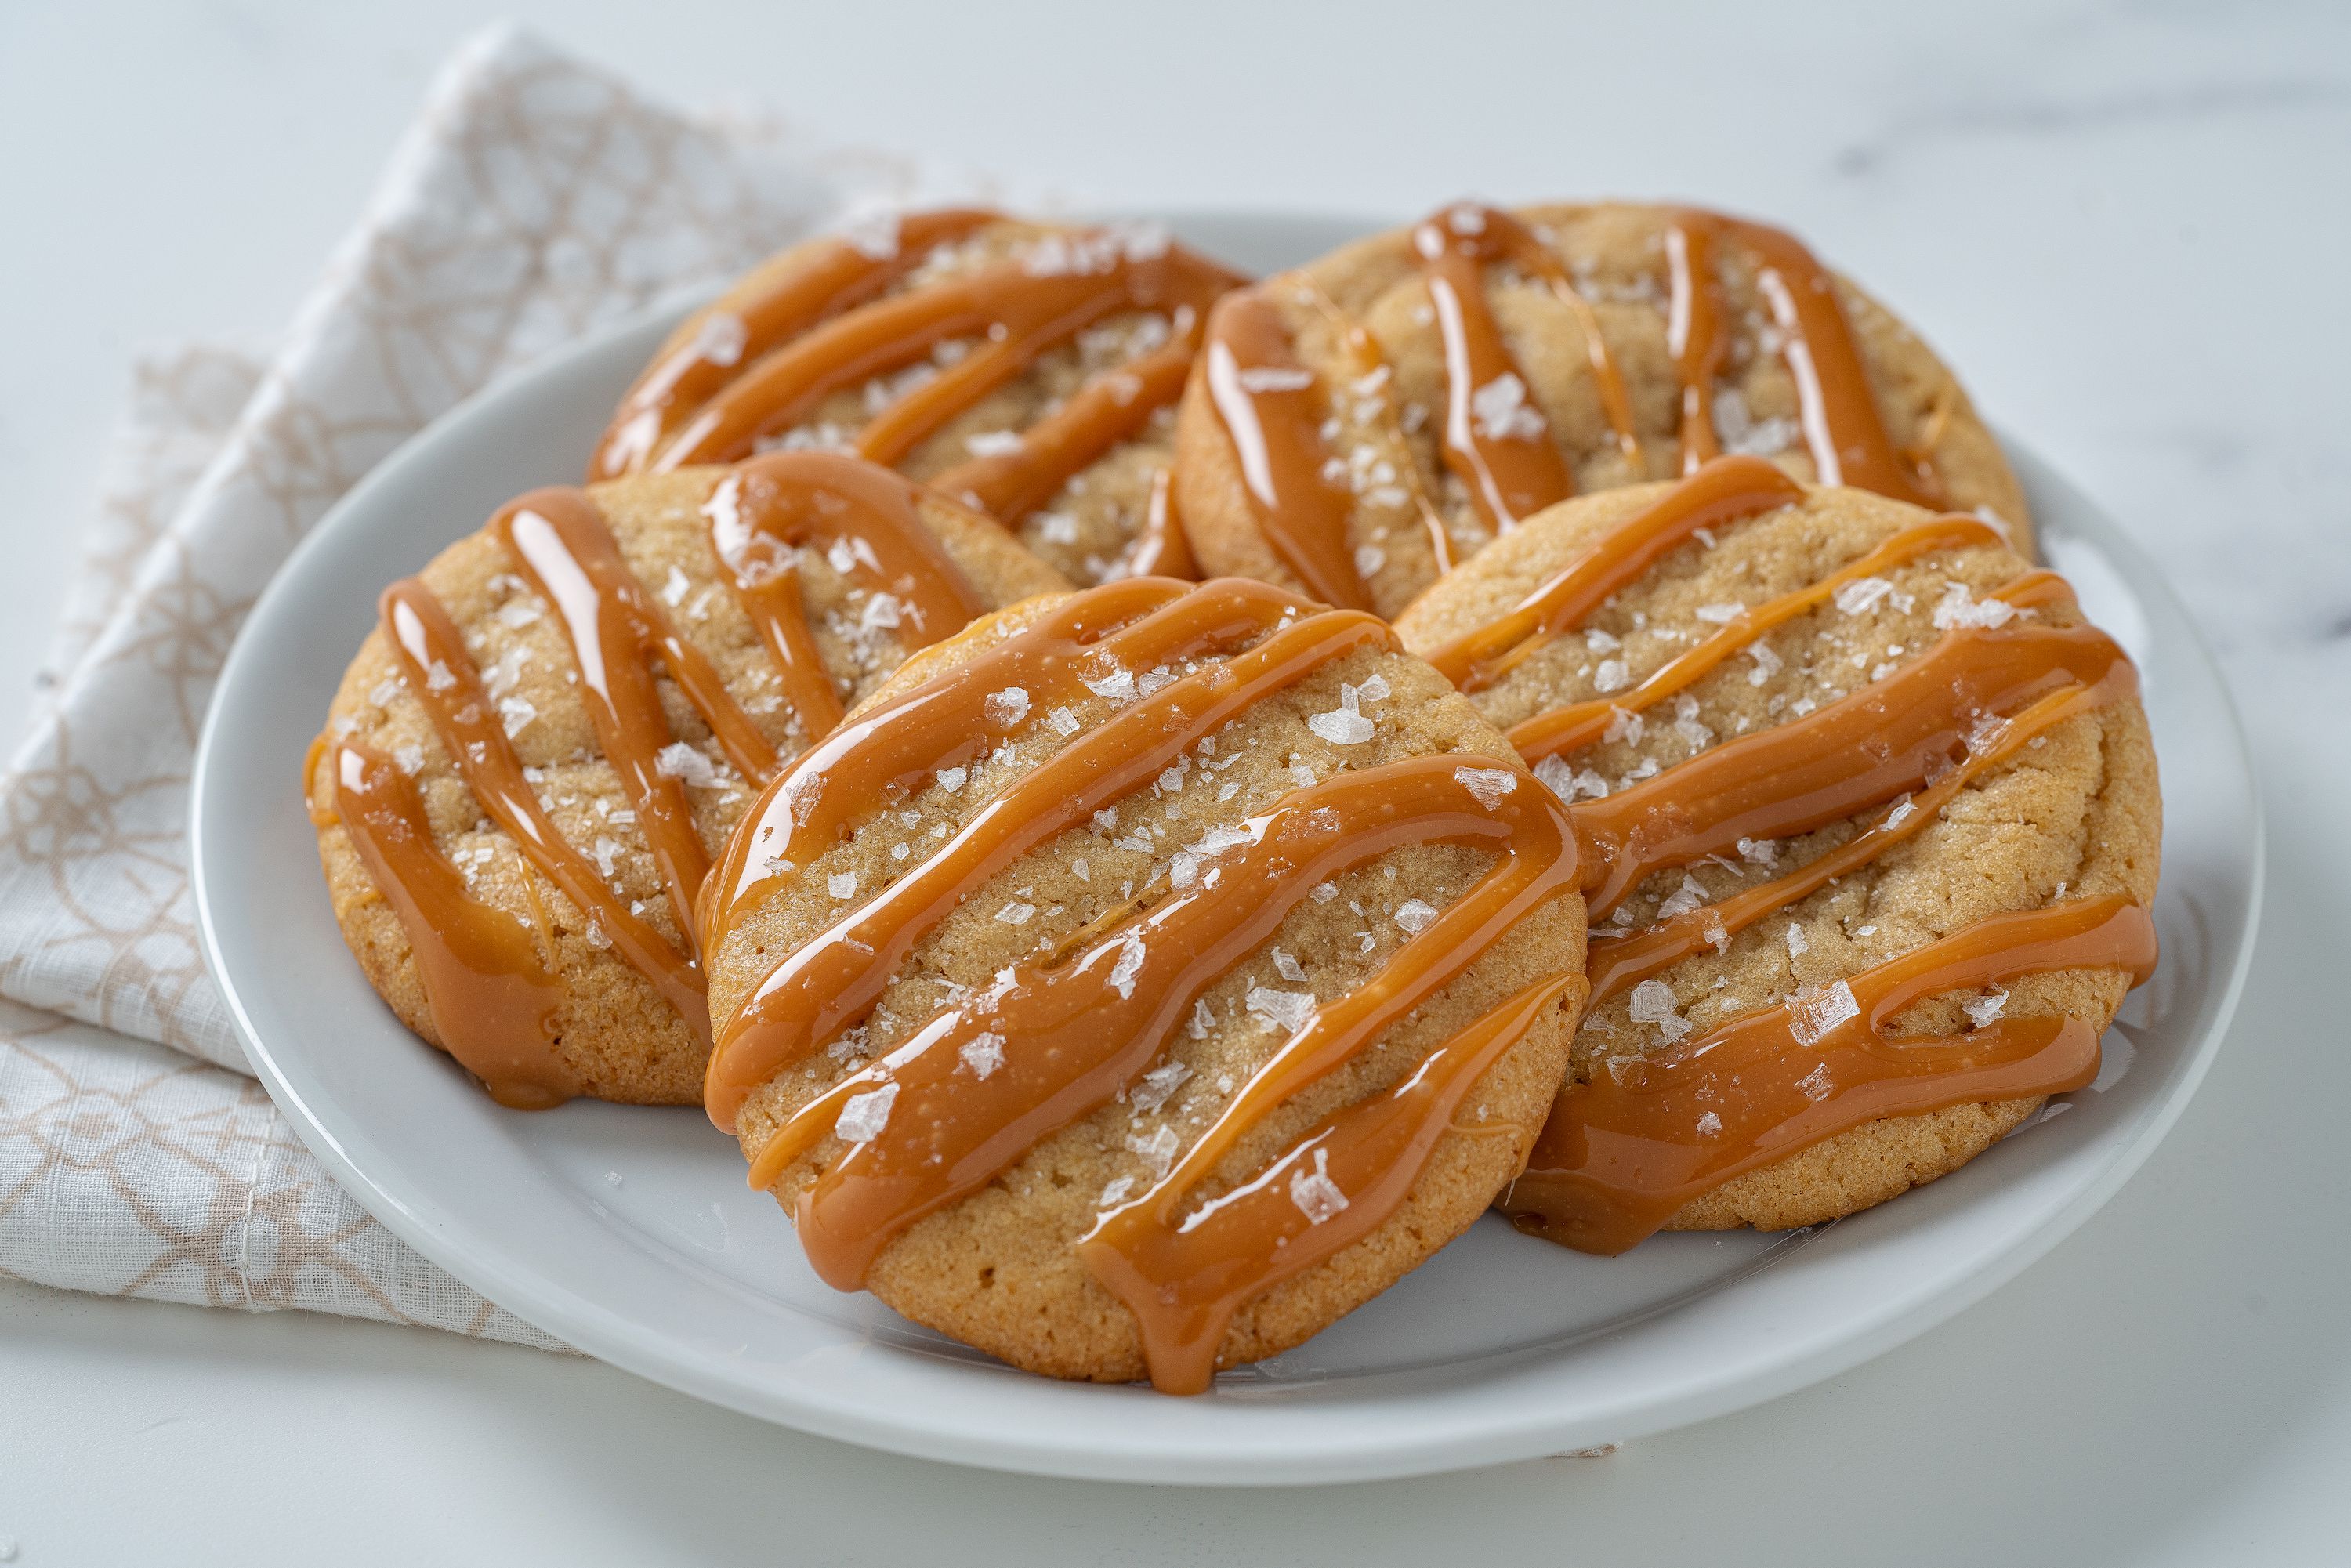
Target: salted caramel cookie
[[1145, 977], [1873, 825], [528, 769], [1030, 369], [1358, 426]]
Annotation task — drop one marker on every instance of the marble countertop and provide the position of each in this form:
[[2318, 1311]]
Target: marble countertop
[[2123, 223]]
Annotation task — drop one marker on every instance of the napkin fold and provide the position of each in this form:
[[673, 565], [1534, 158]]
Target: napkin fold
[[534, 200]]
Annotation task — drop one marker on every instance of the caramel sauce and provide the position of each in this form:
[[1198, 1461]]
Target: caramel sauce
[[1725, 490], [1578, 725], [1272, 408], [565, 551], [1066, 1032], [1835, 404], [1164, 549], [493, 1001], [1112, 407], [1891, 738], [1012, 313], [440, 673], [1183, 1284], [1514, 471], [1075, 1032], [748, 323], [829, 983], [1622, 1153], [769, 507], [1908, 744]]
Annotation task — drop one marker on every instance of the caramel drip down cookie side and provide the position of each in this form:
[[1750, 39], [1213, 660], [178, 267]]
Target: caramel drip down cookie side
[[978, 1083], [1639, 1139], [491, 987]]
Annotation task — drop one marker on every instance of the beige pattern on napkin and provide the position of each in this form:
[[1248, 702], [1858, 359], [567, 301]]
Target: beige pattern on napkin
[[534, 200]]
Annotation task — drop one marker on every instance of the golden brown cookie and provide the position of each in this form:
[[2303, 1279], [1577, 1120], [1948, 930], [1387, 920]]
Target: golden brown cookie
[[1360, 424], [1032, 370], [1875, 822], [547, 736], [1144, 979]]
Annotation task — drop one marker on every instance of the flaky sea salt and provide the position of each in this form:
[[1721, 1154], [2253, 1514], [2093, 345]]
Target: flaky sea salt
[[1062, 720], [1653, 1003], [1959, 608], [1318, 1198], [1287, 966], [1006, 708], [951, 779], [1115, 1191], [1502, 411], [863, 1116], [1860, 596], [1797, 945], [1813, 1014], [1341, 726], [681, 761], [1816, 1084], [1153, 1088], [1157, 1149], [1286, 1010], [1690, 895], [1489, 785], [841, 884], [983, 1053], [1767, 663], [1709, 1125], [1986, 1009], [608, 850], [993, 443], [1415, 915], [1016, 913], [1614, 676], [1719, 614], [1128, 966]]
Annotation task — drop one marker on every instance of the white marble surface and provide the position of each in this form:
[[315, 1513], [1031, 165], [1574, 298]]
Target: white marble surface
[[2124, 223]]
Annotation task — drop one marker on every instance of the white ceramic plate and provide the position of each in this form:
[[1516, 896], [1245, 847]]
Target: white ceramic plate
[[629, 1233]]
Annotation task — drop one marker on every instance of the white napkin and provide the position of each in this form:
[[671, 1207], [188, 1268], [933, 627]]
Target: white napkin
[[534, 200]]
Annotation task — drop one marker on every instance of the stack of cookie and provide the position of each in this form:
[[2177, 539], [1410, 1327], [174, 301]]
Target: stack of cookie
[[1146, 801]]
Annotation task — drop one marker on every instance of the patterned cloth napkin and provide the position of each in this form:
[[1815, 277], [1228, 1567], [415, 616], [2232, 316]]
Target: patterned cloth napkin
[[534, 200]]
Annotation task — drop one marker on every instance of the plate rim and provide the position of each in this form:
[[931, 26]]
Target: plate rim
[[1379, 1453]]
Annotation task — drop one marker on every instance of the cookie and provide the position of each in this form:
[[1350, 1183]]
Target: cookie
[[1144, 979], [1358, 426], [1873, 825], [530, 766], [1030, 369]]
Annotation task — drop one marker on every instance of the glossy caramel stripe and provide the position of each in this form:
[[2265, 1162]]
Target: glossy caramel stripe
[[494, 1002], [1107, 410], [1694, 333], [442, 677], [1164, 549], [768, 508], [1075, 1032], [1618, 962], [1017, 314], [1835, 403], [1184, 1284], [1619, 1157], [560, 541], [836, 277], [1886, 739], [1723, 491], [829, 983], [1272, 409], [1578, 725], [1510, 475]]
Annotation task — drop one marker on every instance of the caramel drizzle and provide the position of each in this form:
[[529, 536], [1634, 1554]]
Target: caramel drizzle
[[1016, 310], [1975, 699], [1889, 738], [1836, 406], [1622, 1153], [1164, 549], [1277, 432], [1071, 1029], [764, 510], [827, 985], [1111, 408], [1273, 413], [1075, 1032], [442, 676], [1578, 725], [1724, 491], [836, 277], [494, 1002]]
